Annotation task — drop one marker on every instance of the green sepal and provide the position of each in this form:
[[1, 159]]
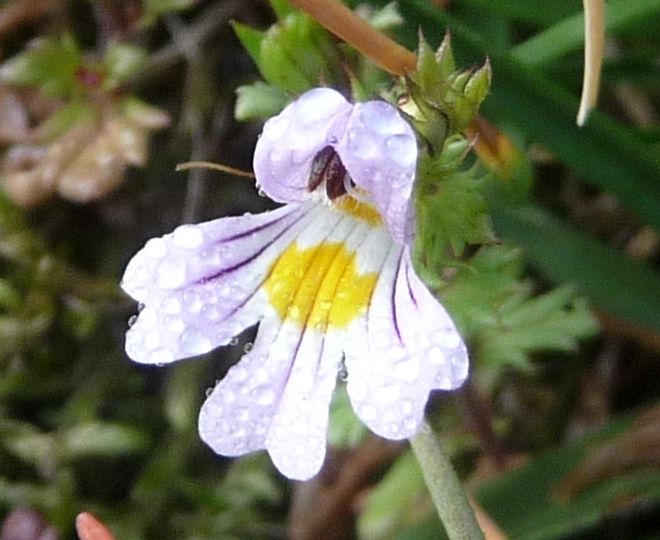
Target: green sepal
[[258, 100], [444, 100], [452, 209], [251, 39], [293, 55]]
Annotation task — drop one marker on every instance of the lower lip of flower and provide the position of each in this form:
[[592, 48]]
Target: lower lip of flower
[[320, 286]]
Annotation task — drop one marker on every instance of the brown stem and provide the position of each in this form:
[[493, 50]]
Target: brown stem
[[355, 31]]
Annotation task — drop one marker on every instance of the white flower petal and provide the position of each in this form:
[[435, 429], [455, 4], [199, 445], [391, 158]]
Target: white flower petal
[[236, 418], [290, 141], [199, 286], [277, 397], [297, 438], [406, 346], [379, 150]]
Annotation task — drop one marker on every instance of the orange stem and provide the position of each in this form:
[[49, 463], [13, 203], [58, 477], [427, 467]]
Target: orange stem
[[354, 30]]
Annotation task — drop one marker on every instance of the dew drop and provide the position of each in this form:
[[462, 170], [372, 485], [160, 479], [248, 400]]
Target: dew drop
[[174, 324], [152, 339], [263, 395], [132, 320], [381, 117], [406, 370], [171, 306], [317, 104], [148, 317], [401, 148], [248, 347], [361, 144], [275, 127], [188, 236], [233, 341], [192, 301], [156, 248], [171, 273], [406, 406], [194, 342], [162, 356], [367, 412]]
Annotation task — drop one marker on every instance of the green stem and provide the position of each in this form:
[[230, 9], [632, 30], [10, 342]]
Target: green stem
[[447, 493]]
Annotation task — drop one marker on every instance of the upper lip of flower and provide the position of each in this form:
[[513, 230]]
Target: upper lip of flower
[[325, 280]]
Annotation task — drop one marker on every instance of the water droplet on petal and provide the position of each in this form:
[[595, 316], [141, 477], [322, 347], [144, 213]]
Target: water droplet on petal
[[194, 342], [233, 341], [152, 339], [263, 395], [381, 117], [192, 301], [406, 370], [132, 320], [275, 127], [361, 144], [171, 273], [156, 248], [402, 149], [188, 236], [171, 306], [162, 356], [148, 317], [367, 412], [174, 324], [248, 347], [317, 104], [388, 394]]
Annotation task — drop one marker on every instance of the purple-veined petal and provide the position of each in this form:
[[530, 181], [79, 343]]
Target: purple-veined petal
[[200, 285], [290, 141], [379, 150], [276, 398], [406, 346]]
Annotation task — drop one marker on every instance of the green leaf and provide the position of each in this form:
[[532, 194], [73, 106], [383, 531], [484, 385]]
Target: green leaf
[[163, 7], [100, 439], [50, 64], [610, 280], [498, 315], [258, 100], [293, 55], [603, 152], [251, 40], [568, 35]]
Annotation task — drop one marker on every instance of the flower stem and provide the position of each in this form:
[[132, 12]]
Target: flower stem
[[447, 493], [350, 27]]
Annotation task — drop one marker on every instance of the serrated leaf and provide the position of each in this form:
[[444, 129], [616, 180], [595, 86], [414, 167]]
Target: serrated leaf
[[498, 315]]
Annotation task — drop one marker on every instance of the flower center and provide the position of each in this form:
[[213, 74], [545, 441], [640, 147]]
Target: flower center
[[327, 170], [319, 287]]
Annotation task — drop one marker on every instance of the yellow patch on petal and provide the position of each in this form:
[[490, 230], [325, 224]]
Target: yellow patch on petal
[[364, 211], [320, 286]]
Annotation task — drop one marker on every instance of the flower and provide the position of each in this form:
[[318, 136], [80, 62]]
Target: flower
[[328, 276]]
